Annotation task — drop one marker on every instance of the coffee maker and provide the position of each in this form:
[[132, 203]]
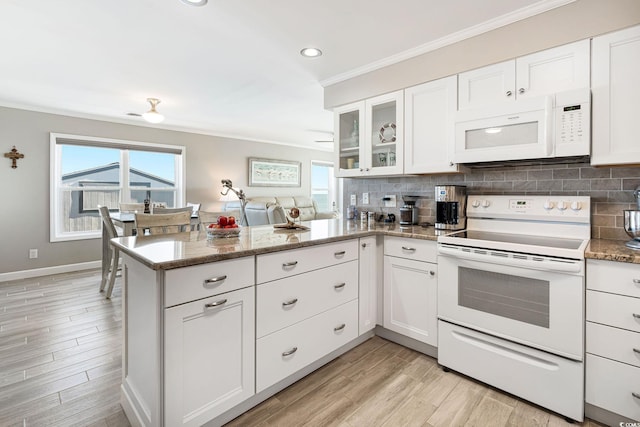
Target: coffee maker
[[409, 211], [451, 207]]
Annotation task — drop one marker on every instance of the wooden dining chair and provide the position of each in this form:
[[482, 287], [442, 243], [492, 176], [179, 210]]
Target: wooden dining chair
[[172, 210], [205, 218], [162, 223], [132, 207], [109, 274]]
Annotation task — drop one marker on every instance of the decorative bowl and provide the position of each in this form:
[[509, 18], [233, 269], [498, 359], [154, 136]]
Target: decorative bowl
[[216, 233], [632, 227]]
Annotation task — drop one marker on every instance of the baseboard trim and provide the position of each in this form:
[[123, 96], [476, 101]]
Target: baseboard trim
[[48, 271]]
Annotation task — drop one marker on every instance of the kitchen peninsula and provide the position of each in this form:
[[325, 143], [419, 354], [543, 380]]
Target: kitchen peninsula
[[279, 303]]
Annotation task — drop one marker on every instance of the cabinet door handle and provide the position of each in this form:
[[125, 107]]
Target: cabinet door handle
[[339, 286], [215, 304], [341, 253], [636, 395], [636, 281], [290, 302], [509, 93], [636, 350], [521, 90], [289, 352], [213, 280], [364, 245], [636, 315], [289, 264], [432, 273], [409, 249], [339, 328]]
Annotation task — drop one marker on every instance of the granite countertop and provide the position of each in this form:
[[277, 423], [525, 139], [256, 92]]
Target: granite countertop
[[165, 252], [611, 250]]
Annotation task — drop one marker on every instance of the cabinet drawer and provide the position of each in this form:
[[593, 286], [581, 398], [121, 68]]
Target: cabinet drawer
[[278, 265], [609, 385], [416, 249], [200, 281], [282, 353], [613, 343], [615, 277], [283, 302], [613, 310]]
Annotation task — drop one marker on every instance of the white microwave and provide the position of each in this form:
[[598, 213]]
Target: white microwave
[[557, 125]]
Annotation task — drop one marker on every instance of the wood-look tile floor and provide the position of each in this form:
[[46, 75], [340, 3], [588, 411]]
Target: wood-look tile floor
[[60, 365]]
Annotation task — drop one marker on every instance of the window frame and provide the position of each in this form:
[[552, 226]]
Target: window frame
[[56, 140]]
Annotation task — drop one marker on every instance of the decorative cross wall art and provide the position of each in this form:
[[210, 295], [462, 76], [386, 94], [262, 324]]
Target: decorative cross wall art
[[14, 156]]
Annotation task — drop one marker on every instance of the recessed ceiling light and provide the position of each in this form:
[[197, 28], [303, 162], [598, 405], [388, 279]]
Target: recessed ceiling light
[[310, 52], [195, 2]]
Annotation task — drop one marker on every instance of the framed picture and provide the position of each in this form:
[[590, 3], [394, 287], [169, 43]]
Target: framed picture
[[273, 173]]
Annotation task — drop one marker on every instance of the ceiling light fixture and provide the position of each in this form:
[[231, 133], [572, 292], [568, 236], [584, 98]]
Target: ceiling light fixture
[[152, 116], [310, 52], [195, 2]]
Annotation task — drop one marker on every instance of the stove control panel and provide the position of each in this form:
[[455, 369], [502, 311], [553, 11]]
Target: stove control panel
[[549, 208]]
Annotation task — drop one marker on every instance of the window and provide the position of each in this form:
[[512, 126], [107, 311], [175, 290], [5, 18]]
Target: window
[[89, 172], [323, 185]]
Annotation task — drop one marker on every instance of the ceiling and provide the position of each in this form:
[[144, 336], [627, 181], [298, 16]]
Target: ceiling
[[229, 68]]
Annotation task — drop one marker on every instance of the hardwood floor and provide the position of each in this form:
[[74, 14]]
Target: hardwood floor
[[60, 365]]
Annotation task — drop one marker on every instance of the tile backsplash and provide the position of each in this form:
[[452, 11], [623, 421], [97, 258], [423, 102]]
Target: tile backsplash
[[610, 188]]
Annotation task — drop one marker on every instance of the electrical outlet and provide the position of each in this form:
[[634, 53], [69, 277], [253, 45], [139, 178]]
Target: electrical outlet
[[33, 253], [365, 198], [390, 201], [353, 200]]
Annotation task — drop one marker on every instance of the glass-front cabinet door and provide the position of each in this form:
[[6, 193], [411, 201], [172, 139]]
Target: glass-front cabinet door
[[349, 133], [369, 136], [384, 134]]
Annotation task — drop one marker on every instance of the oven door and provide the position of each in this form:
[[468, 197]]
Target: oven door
[[538, 308]]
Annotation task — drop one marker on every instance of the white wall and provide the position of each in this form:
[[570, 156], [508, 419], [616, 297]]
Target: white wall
[[575, 21], [24, 211]]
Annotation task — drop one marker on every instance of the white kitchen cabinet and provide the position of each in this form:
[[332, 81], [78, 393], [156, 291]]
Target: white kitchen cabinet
[[615, 89], [553, 70], [369, 137], [369, 274], [209, 347], [613, 339], [410, 292], [430, 110]]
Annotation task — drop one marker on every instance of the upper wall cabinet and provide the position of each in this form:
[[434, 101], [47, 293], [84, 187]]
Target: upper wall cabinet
[[615, 91], [429, 126], [554, 70], [369, 137]]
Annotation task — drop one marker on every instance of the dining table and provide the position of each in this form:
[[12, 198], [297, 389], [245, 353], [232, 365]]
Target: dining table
[[127, 222]]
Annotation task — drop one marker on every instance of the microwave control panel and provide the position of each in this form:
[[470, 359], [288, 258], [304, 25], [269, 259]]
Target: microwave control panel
[[573, 123]]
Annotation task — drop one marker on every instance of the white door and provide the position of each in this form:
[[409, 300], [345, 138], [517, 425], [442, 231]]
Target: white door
[[554, 70], [430, 110], [368, 284], [490, 85], [410, 298], [209, 357], [615, 92]]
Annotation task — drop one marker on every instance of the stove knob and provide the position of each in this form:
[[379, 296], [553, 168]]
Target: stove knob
[[485, 203], [562, 206], [576, 206], [475, 203], [548, 205]]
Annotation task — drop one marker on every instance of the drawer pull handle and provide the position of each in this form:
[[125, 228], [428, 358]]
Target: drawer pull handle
[[215, 304], [290, 302], [364, 245], [339, 286], [289, 352], [636, 395], [409, 249], [341, 253], [289, 264], [636, 315], [636, 350], [636, 281], [214, 280], [339, 328], [432, 273]]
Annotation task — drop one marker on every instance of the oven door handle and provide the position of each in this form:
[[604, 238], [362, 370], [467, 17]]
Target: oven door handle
[[567, 266]]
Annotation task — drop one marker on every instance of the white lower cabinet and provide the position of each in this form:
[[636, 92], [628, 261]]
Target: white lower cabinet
[[411, 292], [613, 339], [209, 357], [369, 278]]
